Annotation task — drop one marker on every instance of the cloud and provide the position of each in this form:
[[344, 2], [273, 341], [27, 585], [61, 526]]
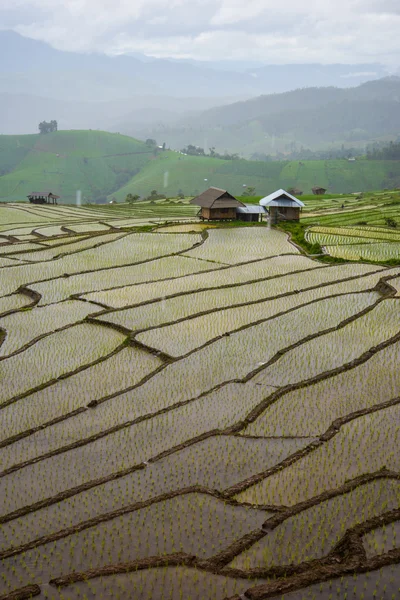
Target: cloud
[[323, 31]]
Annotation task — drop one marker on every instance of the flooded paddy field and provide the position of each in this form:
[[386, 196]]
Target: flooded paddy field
[[193, 412]]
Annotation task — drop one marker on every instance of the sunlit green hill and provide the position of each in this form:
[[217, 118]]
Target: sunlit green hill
[[105, 165], [95, 162]]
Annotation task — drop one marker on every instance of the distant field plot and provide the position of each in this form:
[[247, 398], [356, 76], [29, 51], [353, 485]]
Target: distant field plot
[[214, 525], [313, 532], [13, 302], [363, 445], [126, 223], [328, 236], [60, 288], [132, 445], [383, 539], [17, 248], [55, 355], [8, 262], [310, 410], [396, 284], [169, 583], [23, 327], [88, 227], [10, 215], [186, 228], [183, 306], [110, 376], [125, 250], [380, 583], [374, 251], [70, 248], [349, 342], [357, 243], [216, 463], [49, 231], [177, 340], [63, 240], [223, 245], [273, 267]]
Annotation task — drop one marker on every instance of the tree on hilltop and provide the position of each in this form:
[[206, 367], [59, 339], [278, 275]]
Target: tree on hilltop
[[48, 127]]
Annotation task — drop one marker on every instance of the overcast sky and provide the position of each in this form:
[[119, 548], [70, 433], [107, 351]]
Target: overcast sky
[[283, 31]]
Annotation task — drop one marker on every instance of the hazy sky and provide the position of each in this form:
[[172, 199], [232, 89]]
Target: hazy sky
[[283, 31]]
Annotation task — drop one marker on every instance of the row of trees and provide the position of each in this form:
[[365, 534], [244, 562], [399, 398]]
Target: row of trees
[[389, 152], [48, 127], [192, 150]]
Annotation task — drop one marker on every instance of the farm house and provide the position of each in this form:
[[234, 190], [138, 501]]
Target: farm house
[[282, 206], [217, 204], [43, 198]]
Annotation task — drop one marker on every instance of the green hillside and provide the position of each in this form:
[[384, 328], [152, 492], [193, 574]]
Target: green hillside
[[95, 162], [109, 165], [172, 172]]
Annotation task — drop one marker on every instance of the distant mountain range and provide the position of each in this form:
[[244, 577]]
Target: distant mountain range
[[137, 93], [312, 118]]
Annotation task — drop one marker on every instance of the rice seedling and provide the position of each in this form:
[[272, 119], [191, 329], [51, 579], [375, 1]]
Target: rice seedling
[[125, 296], [107, 377], [13, 302], [169, 583], [313, 532], [169, 310], [23, 327], [311, 409], [363, 445], [55, 355], [197, 524], [217, 462], [60, 288], [259, 242], [264, 339], [181, 338], [349, 342], [382, 539], [380, 584]]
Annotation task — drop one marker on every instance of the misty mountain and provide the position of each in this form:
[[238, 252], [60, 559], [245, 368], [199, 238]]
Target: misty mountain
[[33, 67], [315, 118], [21, 113]]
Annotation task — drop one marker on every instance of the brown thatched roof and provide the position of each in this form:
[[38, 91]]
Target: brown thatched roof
[[42, 195], [216, 198]]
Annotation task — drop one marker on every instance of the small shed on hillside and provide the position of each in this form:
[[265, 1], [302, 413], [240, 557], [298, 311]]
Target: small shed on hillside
[[250, 212], [217, 204], [43, 198], [295, 191], [282, 206], [318, 191]]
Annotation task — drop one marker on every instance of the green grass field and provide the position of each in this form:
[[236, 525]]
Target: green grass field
[[171, 172], [95, 162], [103, 164]]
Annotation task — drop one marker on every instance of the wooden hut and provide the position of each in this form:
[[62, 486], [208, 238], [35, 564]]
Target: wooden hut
[[295, 191], [43, 198], [282, 206], [216, 204], [318, 191]]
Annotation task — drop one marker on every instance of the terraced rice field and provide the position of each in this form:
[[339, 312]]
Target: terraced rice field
[[375, 244], [193, 413]]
